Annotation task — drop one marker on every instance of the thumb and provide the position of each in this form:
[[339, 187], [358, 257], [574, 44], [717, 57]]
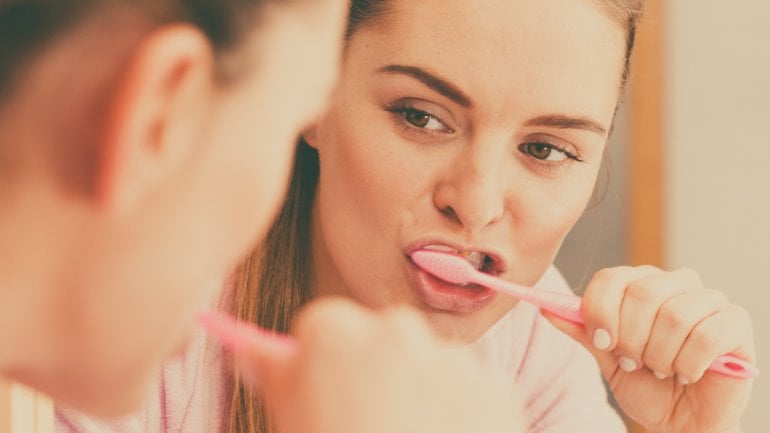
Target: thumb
[[607, 361]]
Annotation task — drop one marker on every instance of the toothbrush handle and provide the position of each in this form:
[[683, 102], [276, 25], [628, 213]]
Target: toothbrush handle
[[569, 307], [732, 366], [565, 305]]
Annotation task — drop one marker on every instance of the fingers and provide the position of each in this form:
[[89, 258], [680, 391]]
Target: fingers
[[665, 321], [337, 324], [361, 370], [329, 322], [639, 310], [723, 332], [675, 320], [602, 303]]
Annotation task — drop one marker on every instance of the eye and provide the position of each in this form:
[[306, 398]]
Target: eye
[[546, 152], [420, 119]]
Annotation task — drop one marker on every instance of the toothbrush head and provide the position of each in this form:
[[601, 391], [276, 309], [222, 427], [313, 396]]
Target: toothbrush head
[[448, 267]]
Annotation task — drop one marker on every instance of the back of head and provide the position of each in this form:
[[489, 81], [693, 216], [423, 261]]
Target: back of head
[[144, 145]]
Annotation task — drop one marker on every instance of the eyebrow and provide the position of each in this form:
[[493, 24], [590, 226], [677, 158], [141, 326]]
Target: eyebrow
[[568, 122], [444, 87], [436, 83]]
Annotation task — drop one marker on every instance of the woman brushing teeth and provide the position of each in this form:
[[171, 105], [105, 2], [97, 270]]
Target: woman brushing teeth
[[478, 129]]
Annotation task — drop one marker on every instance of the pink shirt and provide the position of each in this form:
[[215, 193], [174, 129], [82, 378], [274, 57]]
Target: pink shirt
[[188, 398], [557, 378]]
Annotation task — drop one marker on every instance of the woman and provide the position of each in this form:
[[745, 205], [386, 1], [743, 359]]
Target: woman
[[478, 128], [142, 150]]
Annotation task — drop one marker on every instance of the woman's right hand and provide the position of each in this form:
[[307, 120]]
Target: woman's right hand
[[356, 371]]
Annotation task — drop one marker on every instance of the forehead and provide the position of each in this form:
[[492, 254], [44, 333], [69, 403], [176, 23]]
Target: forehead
[[561, 54]]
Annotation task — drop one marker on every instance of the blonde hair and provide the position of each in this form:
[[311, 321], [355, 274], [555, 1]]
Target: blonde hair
[[276, 280]]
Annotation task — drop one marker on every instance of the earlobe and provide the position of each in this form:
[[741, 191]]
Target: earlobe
[[309, 134], [154, 114]]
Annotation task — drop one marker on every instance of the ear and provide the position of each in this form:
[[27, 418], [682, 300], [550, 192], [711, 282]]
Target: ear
[[154, 116], [309, 134]]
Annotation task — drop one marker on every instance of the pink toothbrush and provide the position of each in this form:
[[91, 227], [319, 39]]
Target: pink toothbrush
[[457, 270]]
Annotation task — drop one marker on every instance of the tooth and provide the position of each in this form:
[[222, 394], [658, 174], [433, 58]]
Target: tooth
[[475, 258], [441, 248]]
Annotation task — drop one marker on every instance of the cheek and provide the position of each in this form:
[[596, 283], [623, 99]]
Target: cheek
[[549, 211], [362, 172], [362, 199]]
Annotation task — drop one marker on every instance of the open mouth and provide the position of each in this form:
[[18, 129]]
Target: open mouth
[[445, 296], [480, 260]]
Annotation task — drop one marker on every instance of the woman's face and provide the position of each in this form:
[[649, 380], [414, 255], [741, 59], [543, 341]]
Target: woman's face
[[469, 126]]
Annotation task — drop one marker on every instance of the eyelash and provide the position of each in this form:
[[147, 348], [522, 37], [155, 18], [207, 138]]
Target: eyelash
[[550, 146], [545, 164], [401, 109]]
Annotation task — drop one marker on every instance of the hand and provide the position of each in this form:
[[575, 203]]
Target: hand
[[654, 334], [357, 371]]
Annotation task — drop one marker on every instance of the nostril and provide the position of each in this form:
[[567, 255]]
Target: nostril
[[450, 213]]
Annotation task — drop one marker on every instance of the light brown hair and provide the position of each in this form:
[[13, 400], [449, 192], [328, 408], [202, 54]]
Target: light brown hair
[[275, 281]]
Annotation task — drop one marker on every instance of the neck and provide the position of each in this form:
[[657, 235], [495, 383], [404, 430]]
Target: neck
[[327, 280]]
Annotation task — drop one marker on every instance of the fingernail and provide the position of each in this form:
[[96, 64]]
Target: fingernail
[[602, 339], [628, 364], [683, 380], [659, 375]]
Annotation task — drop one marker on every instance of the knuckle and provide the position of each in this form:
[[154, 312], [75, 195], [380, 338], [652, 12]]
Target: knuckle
[[717, 296], [601, 279], [690, 275], [608, 276], [673, 319], [648, 269], [640, 291], [705, 340]]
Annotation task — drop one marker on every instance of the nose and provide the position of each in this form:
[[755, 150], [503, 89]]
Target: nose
[[472, 193]]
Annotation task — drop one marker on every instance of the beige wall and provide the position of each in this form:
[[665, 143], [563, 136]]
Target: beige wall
[[718, 158]]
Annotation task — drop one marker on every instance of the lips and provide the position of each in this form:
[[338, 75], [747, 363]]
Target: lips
[[441, 295]]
